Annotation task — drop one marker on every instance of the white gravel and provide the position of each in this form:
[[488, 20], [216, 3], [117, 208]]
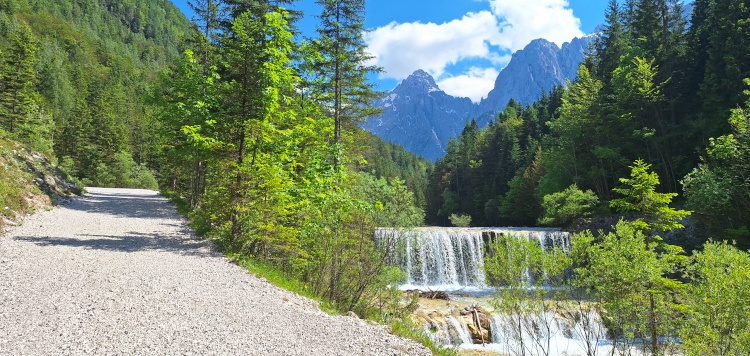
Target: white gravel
[[118, 272]]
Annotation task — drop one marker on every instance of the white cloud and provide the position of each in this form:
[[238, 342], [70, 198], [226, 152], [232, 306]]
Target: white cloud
[[507, 26], [524, 21], [474, 84], [403, 48]]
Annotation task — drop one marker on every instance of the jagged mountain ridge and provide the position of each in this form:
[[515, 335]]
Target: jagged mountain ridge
[[418, 115]]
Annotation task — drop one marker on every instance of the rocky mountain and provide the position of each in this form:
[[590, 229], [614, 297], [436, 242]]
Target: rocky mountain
[[418, 115], [538, 67]]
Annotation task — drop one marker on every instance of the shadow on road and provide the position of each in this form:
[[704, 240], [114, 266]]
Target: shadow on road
[[131, 204], [130, 242], [140, 206]]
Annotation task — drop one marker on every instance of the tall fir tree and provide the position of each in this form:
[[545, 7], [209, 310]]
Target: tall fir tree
[[727, 65], [341, 81], [610, 46], [21, 106]]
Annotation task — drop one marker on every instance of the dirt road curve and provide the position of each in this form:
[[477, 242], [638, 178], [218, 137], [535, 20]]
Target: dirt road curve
[[118, 272]]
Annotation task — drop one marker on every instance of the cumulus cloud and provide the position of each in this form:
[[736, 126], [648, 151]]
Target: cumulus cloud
[[487, 36], [524, 21], [403, 48], [474, 84]]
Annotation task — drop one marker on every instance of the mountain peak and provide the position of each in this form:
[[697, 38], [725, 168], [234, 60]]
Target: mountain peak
[[423, 118], [421, 80]]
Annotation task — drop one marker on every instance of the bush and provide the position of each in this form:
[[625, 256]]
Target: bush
[[123, 172], [462, 220], [564, 207], [717, 320]]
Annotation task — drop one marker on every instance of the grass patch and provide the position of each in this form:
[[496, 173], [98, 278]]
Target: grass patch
[[279, 279], [407, 329], [15, 182], [180, 203]]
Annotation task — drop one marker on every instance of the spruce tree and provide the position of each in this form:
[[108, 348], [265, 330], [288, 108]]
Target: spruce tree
[[728, 63], [21, 106], [341, 83], [18, 94], [610, 45]]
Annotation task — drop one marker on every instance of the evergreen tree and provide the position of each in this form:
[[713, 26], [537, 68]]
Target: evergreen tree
[[207, 18], [341, 81], [20, 104], [653, 213], [610, 45], [727, 65]]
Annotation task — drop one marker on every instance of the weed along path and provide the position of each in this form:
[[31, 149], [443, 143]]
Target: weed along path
[[118, 272]]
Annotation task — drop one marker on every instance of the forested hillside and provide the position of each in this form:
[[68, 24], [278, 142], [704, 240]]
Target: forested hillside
[[657, 88], [74, 78]]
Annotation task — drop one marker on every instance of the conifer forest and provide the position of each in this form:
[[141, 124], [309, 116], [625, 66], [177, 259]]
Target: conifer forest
[[252, 129]]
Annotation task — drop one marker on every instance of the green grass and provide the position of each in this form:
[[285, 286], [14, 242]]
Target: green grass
[[278, 278], [407, 329], [14, 181]]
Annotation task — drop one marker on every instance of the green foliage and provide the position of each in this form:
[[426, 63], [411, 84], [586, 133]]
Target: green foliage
[[564, 207], [460, 220], [717, 321], [643, 94], [21, 107], [340, 65], [391, 161], [627, 276], [719, 189], [77, 71], [493, 174], [640, 196], [253, 160]]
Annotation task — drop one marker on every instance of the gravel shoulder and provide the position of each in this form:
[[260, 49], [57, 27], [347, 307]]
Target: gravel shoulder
[[119, 272]]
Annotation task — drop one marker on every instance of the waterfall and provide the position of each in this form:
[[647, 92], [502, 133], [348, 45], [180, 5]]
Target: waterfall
[[453, 258], [449, 259], [461, 329]]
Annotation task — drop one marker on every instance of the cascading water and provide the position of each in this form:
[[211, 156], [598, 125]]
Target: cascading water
[[453, 258], [461, 330], [438, 258]]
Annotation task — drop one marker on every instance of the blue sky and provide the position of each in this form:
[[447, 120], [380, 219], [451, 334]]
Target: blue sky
[[463, 43]]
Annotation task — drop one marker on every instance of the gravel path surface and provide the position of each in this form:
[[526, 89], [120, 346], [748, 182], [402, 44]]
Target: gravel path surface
[[118, 272]]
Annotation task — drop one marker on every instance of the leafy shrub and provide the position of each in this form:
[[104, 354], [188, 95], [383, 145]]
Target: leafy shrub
[[123, 172], [562, 208], [460, 220]]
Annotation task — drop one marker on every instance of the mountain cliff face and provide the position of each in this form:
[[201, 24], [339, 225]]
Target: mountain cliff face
[[422, 118]]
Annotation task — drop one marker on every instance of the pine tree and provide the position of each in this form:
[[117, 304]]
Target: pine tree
[[341, 83], [728, 63], [18, 95], [652, 208], [21, 106], [208, 16], [610, 45]]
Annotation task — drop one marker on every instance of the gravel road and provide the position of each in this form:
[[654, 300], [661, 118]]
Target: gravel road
[[118, 272]]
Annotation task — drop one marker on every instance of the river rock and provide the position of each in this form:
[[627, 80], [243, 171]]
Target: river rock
[[478, 321], [434, 295]]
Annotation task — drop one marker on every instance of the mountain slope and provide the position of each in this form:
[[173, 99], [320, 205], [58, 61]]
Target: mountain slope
[[89, 65], [418, 115], [538, 67], [422, 118]]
